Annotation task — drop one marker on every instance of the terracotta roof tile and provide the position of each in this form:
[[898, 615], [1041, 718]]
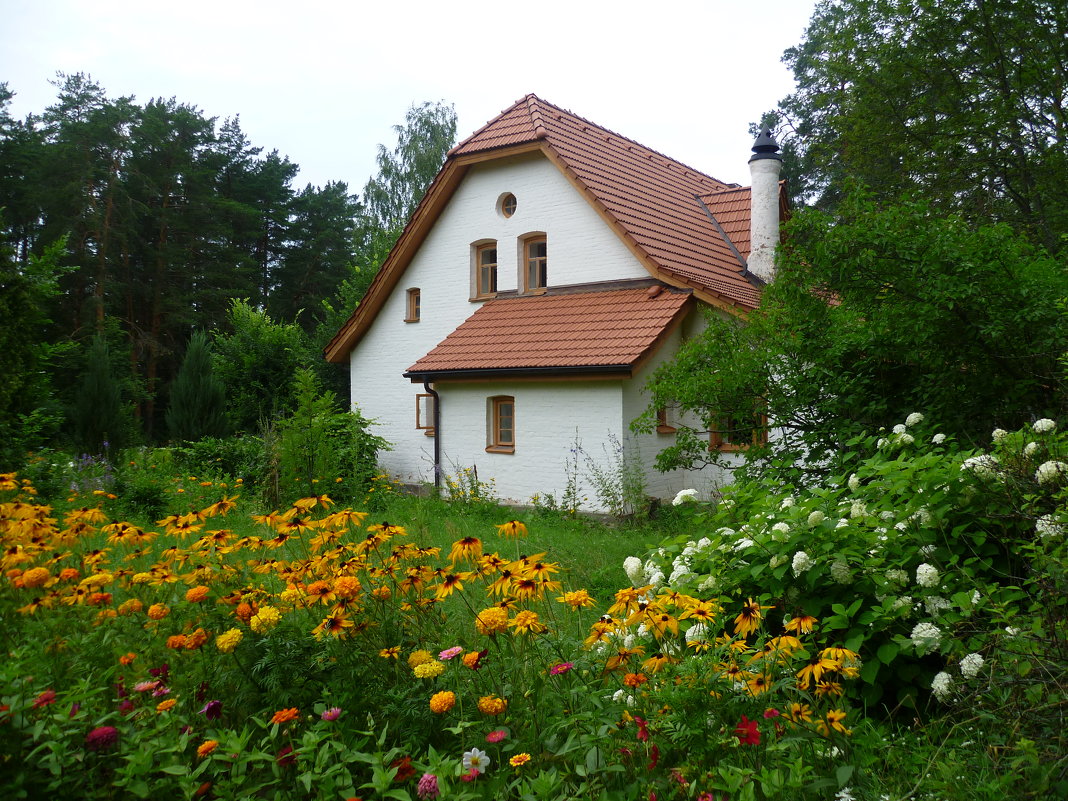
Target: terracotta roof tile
[[581, 329], [652, 198]]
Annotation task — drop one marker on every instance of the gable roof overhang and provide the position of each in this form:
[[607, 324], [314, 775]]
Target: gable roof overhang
[[658, 207], [605, 333]]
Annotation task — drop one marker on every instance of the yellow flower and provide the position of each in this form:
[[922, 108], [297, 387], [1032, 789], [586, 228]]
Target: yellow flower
[[749, 619], [130, 606], [802, 624], [228, 640], [526, 621], [390, 653], [513, 529], [429, 670], [833, 721], [419, 658], [577, 599], [197, 594], [207, 747], [519, 759], [35, 577], [442, 702], [266, 619], [163, 706], [468, 549], [492, 705], [493, 620]]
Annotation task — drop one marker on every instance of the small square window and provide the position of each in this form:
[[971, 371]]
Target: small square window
[[501, 425], [413, 307], [738, 432], [663, 421]]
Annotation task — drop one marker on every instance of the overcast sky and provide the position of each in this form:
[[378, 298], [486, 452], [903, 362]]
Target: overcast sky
[[324, 81]]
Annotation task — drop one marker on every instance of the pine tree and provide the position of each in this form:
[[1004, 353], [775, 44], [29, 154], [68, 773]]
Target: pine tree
[[97, 417], [198, 399]]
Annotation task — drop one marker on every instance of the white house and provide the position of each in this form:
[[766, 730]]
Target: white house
[[551, 267]]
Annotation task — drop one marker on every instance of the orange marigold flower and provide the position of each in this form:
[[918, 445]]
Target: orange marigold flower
[[158, 611], [493, 620], [244, 612], [346, 586], [442, 702], [492, 705], [635, 679], [207, 747], [197, 594], [577, 599], [35, 577], [196, 639], [176, 642], [130, 606], [127, 659], [68, 574], [169, 703], [285, 715]]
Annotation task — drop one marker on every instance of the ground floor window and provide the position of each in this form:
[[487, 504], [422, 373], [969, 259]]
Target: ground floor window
[[500, 429]]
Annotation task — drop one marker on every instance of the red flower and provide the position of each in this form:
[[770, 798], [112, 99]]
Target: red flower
[[654, 757], [404, 768], [771, 712], [643, 729], [747, 732], [101, 738], [44, 699], [285, 756], [470, 776]]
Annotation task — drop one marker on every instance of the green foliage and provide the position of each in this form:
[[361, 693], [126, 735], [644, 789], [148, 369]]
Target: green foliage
[[877, 311], [257, 363], [321, 449], [98, 417], [961, 101], [198, 403]]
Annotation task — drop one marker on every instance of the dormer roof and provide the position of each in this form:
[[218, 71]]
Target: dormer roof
[[666, 212]]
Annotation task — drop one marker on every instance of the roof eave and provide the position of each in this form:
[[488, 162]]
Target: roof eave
[[493, 373]]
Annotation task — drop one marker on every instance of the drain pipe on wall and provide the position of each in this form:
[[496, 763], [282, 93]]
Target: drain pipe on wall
[[437, 434]]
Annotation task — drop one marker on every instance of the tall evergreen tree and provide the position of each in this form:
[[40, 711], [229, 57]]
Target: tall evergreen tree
[[98, 420], [198, 400]]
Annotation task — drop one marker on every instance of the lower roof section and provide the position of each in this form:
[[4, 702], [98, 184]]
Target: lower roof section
[[602, 332]]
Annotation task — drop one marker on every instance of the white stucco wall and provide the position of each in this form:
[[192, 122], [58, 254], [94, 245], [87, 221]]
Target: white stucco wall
[[581, 249]]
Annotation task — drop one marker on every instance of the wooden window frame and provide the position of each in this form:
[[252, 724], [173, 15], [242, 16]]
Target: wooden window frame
[[535, 263], [509, 204], [482, 291], [717, 442], [413, 305], [424, 408], [663, 423], [497, 440]]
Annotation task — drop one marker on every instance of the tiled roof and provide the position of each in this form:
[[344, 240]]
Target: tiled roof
[[652, 199], [601, 329], [662, 209]]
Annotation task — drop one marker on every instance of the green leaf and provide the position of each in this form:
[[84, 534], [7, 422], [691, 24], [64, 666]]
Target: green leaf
[[886, 653]]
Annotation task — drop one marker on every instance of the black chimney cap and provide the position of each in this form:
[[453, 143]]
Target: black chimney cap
[[765, 146]]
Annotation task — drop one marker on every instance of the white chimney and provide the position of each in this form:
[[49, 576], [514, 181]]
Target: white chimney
[[764, 167]]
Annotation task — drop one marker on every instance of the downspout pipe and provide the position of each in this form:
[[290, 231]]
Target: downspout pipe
[[437, 434]]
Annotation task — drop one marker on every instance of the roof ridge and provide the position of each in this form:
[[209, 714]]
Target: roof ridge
[[455, 148], [624, 139]]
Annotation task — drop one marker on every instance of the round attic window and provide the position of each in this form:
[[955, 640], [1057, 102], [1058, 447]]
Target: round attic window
[[507, 205]]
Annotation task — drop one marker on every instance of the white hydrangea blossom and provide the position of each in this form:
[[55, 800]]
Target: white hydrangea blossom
[[899, 428], [656, 579], [1044, 426], [922, 516], [942, 686], [742, 544], [927, 575], [925, 636], [938, 439], [904, 439], [903, 602], [632, 566], [679, 574], [696, 632], [914, 419], [854, 482], [787, 502], [999, 435], [1031, 450], [777, 561], [984, 466], [935, 604], [816, 517], [971, 665], [685, 496], [1048, 472], [1047, 526], [928, 550], [881, 443], [709, 584], [858, 509], [841, 573], [801, 562], [898, 577], [842, 523]]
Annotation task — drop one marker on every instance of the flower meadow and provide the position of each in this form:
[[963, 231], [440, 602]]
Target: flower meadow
[[773, 650]]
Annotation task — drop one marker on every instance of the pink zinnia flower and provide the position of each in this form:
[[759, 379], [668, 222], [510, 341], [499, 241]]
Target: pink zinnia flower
[[145, 686], [449, 653], [561, 667], [101, 738], [496, 736], [333, 713]]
